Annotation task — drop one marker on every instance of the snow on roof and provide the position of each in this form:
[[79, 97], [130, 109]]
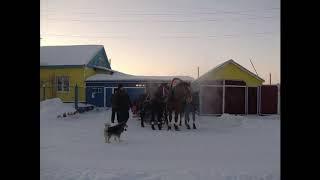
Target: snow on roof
[[103, 68], [68, 55], [118, 76]]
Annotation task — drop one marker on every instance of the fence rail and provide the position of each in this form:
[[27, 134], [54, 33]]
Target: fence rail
[[220, 99]]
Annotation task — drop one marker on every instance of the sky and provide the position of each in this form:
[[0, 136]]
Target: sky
[[170, 37]]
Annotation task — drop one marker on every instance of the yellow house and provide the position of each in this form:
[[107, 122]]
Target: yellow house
[[64, 67], [229, 70]]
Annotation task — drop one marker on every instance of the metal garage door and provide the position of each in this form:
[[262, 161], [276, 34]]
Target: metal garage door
[[235, 98], [252, 100], [269, 99]]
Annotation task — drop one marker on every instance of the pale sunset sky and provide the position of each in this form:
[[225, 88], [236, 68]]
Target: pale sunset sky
[[170, 37]]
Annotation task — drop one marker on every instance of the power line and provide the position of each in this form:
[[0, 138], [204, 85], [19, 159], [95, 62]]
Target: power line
[[161, 36], [156, 20], [188, 10], [167, 15], [164, 14]]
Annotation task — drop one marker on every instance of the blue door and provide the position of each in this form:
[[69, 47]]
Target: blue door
[[94, 96], [108, 95]]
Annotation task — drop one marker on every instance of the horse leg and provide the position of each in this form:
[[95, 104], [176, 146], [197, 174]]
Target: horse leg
[[164, 115], [194, 119], [159, 115], [176, 114], [170, 119], [142, 114], [152, 119], [186, 119], [180, 117]]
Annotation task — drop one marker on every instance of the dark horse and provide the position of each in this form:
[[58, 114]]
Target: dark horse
[[153, 105], [158, 105], [179, 92]]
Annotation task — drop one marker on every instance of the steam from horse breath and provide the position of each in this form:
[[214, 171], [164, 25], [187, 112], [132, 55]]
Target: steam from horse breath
[[208, 97], [151, 89]]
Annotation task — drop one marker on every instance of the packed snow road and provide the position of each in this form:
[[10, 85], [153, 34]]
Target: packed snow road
[[222, 148]]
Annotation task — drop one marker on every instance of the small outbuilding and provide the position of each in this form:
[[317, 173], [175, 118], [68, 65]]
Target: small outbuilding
[[231, 88]]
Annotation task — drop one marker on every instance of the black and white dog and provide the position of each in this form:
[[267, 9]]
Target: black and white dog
[[114, 131]]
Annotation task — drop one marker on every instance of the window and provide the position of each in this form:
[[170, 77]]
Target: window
[[97, 90], [63, 83]]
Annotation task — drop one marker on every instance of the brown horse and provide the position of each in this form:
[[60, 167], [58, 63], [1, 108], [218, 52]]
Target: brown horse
[[179, 91]]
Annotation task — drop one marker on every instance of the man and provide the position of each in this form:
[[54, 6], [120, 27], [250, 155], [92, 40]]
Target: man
[[114, 106], [123, 104]]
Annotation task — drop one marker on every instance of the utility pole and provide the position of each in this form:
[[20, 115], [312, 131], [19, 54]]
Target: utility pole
[[270, 77]]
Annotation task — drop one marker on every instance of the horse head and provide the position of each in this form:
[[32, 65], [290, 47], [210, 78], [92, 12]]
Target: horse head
[[163, 92], [181, 89]]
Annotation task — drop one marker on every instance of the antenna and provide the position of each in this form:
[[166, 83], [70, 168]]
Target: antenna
[[254, 67]]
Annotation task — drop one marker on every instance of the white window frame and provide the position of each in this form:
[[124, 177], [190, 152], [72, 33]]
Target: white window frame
[[63, 83], [97, 90]]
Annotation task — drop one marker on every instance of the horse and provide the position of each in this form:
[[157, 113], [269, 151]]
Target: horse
[[154, 103], [163, 101], [144, 107], [158, 104], [179, 92]]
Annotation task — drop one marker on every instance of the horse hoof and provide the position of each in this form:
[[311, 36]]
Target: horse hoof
[[176, 128], [153, 127], [159, 127], [188, 127], [142, 125], [194, 126], [169, 127]]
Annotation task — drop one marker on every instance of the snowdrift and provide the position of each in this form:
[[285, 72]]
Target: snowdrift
[[54, 107]]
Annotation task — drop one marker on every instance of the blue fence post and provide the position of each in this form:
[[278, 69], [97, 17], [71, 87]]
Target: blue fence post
[[76, 97]]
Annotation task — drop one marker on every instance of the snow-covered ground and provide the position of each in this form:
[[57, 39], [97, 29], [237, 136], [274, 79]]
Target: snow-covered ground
[[222, 148]]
